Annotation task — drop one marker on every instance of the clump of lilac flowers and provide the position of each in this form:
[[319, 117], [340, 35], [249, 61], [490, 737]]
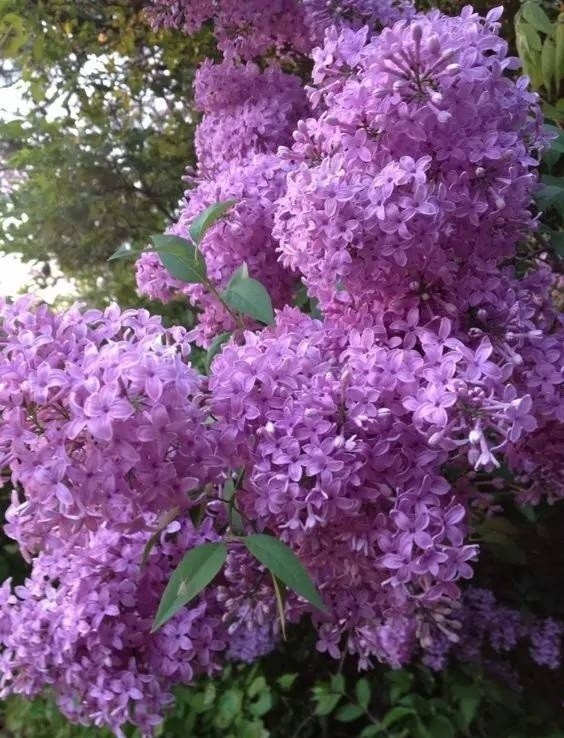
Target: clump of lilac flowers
[[487, 629], [418, 167], [81, 626], [394, 184], [102, 419]]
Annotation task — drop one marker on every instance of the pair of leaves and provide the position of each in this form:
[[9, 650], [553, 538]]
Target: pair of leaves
[[540, 44], [182, 259], [202, 564], [179, 255]]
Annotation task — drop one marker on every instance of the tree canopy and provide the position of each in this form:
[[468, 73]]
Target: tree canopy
[[103, 135]]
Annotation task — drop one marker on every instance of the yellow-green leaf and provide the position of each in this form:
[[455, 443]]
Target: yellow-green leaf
[[548, 56], [535, 15]]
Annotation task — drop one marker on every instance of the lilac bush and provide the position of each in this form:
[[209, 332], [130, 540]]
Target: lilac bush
[[385, 161]]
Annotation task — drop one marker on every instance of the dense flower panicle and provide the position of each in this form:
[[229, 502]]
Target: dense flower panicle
[[340, 470], [245, 29], [419, 164], [322, 14], [255, 27], [486, 626], [81, 626], [102, 420], [244, 235], [246, 111]]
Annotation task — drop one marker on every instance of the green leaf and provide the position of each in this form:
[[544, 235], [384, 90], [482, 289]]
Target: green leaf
[[362, 691], [469, 700], [230, 706], [261, 706], [401, 682], [535, 15], [249, 297], [180, 258], [418, 729], [124, 252], [279, 592], [552, 112], [338, 683], [209, 217], [326, 703], [215, 348], [372, 730], [548, 56], [239, 274], [395, 714], [441, 727], [348, 713], [527, 35], [286, 681], [257, 685], [559, 56], [196, 570], [279, 559]]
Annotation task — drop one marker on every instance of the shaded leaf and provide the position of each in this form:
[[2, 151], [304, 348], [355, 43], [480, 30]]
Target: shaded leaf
[[326, 703], [348, 713], [362, 691], [215, 348], [196, 570], [279, 559], [395, 714], [338, 683], [372, 730], [441, 727], [286, 681]]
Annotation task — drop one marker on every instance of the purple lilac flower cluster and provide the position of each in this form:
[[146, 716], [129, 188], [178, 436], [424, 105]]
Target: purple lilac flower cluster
[[417, 169], [345, 435], [81, 624], [398, 200], [246, 29], [485, 628], [375, 14], [102, 420], [248, 113], [288, 27]]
